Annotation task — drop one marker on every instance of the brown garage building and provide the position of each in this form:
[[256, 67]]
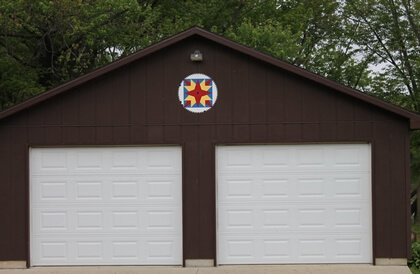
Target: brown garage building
[[197, 151]]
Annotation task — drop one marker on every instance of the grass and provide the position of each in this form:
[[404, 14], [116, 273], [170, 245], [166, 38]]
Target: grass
[[416, 228], [415, 270]]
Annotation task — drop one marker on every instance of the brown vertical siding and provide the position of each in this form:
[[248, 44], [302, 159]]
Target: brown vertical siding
[[18, 192], [257, 103], [397, 182], [6, 200], [193, 244], [381, 190], [206, 192]]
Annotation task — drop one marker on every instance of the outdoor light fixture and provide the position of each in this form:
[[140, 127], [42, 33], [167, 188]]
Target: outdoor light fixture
[[196, 56]]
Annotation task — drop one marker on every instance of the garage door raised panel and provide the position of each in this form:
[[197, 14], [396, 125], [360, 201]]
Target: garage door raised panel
[[294, 204], [106, 206]]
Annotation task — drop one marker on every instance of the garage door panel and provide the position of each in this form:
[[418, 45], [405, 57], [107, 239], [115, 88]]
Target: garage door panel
[[312, 200], [95, 250], [296, 217], [293, 186], [88, 219], [141, 188], [305, 158], [99, 161], [289, 248], [107, 206]]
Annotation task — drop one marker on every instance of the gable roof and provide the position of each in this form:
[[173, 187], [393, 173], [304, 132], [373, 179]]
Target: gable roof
[[195, 31]]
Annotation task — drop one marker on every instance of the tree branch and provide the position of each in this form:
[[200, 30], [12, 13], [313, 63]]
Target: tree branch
[[406, 60], [414, 26], [14, 56]]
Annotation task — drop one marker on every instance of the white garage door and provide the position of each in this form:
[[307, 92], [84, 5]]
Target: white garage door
[[294, 204], [106, 206]]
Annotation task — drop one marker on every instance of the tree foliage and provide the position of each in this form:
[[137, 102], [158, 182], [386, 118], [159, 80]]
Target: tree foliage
[[391, 35]]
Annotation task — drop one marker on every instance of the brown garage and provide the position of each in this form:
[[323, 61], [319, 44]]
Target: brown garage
[[198, 150]]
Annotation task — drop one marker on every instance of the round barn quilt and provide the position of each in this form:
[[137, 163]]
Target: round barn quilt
[[197, 93]]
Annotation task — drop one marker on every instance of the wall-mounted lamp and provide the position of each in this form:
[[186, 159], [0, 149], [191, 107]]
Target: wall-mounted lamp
[[196, 56]]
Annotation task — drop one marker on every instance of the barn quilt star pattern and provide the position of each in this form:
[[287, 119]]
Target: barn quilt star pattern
[[197, 93]]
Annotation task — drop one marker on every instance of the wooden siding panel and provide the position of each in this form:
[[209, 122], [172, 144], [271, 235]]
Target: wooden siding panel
[[327, 131], [258, 133], [37, 116], [172, 134], [138, 104], [381, 115], [121, 134], [293, 132], [19, 194], [345, 130], [70, 108], [344, 108], [381, 190], [276, 133], [121, 94], [224, 133], [36, 135], [104, 135], [154, 89], [362, 111], [226, 95], [292, 100], [70, 118], [257, 93], [191, 195], [310, 132], [54, 114], [104, 101], [87, 105], [398, 199], [310, 106], [362, 130], [240, 89], [53, 121], [275, 93], [138, 134], [7, 235], [120, 89], [155, 134], [207, 193], [87, 135], [173, 76], [327, 106], [241, 133]]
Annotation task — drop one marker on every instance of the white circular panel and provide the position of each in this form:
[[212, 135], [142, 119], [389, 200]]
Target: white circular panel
[[197, 93]]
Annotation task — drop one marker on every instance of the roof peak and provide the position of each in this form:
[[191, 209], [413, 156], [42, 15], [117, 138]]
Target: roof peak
[[195, 30]]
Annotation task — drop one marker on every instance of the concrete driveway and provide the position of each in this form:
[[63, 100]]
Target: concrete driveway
[[251, 269]]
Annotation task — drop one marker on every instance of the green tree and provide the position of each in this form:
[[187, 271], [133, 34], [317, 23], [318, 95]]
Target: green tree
[[51, 42], [389, 31]]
